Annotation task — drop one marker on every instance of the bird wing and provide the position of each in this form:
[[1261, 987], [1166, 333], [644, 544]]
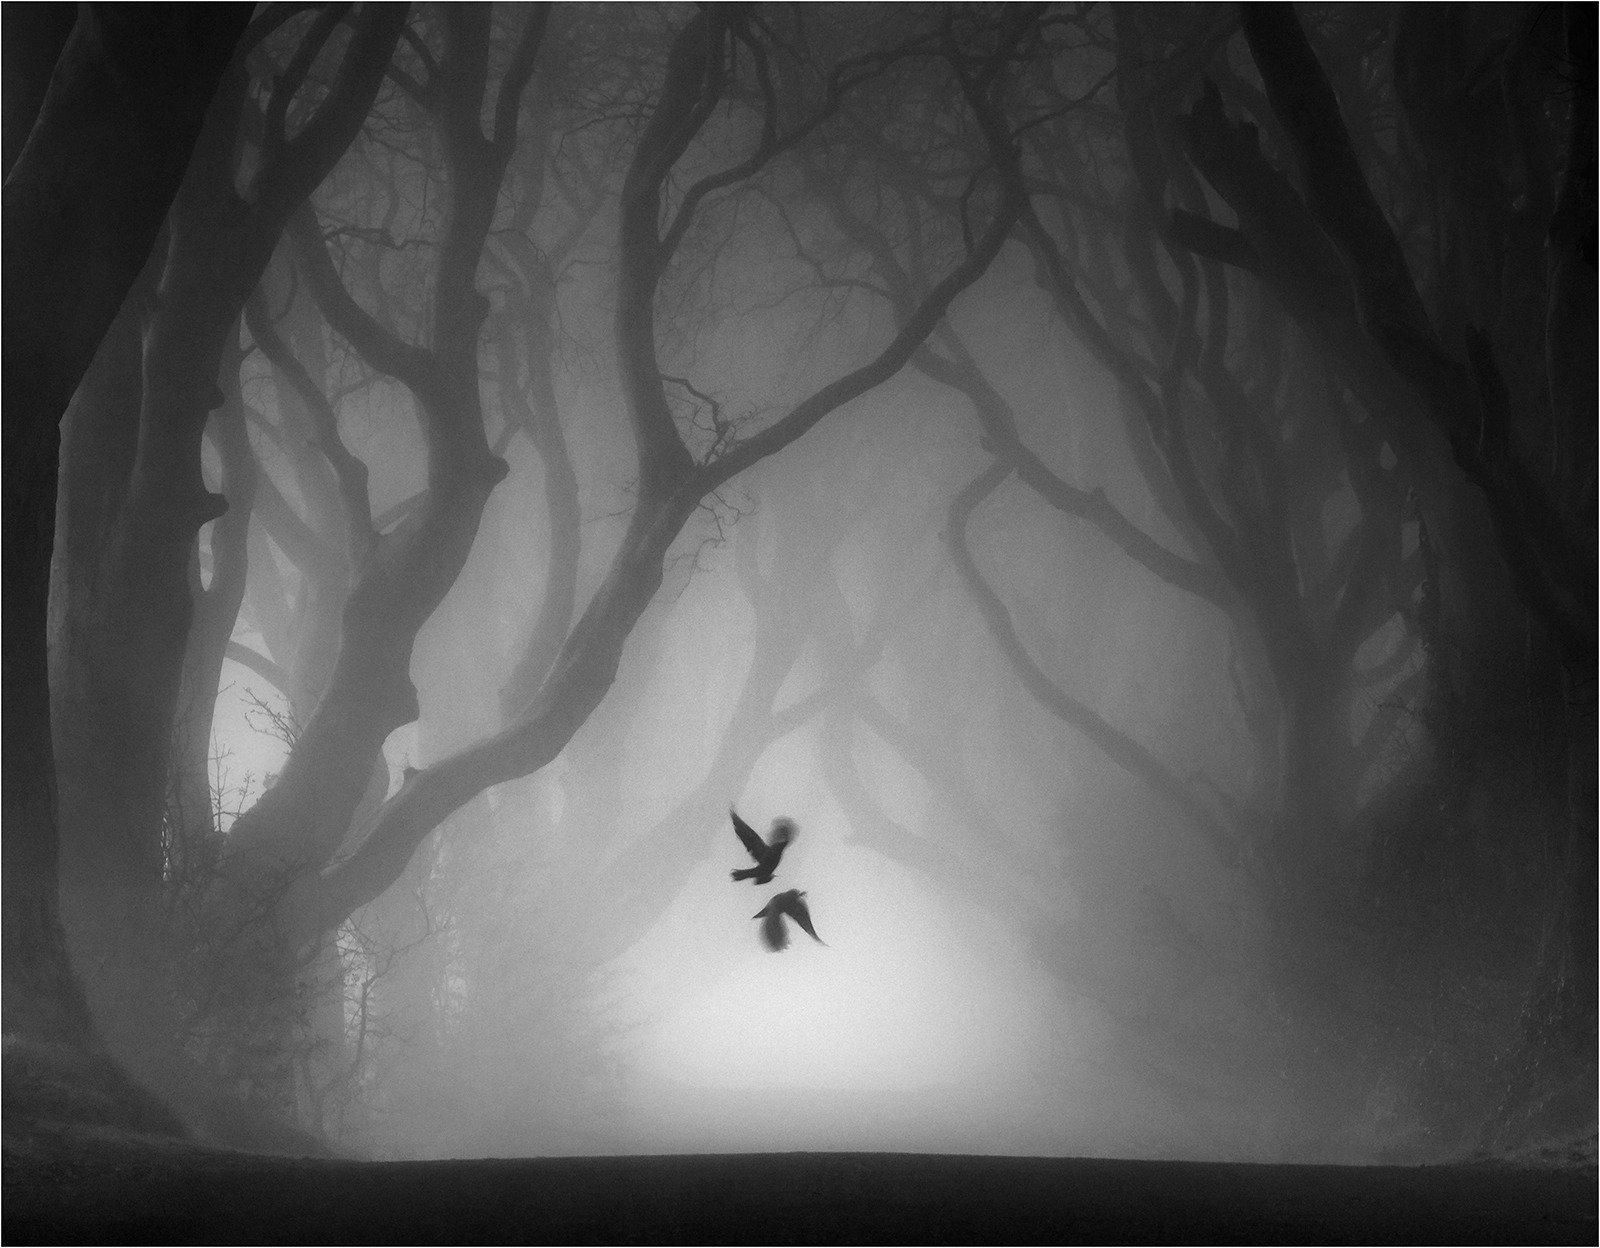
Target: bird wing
[[797, 909], [772, 929], [753, 844]]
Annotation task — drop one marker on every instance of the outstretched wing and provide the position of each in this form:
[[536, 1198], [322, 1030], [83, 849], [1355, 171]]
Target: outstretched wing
[[801, 913], [747, 836]]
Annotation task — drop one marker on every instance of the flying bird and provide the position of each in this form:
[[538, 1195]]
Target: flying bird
[[766, 855], [773, 930]]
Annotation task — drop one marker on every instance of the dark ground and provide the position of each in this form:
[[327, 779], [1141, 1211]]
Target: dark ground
[[102, 1187]]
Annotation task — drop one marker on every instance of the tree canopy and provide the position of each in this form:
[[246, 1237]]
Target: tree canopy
[[1126, 472]]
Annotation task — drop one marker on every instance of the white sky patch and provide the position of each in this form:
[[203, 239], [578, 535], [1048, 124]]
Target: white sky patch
[[244, 753]]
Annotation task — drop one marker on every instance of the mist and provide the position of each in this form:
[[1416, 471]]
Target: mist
[[1119, 479]]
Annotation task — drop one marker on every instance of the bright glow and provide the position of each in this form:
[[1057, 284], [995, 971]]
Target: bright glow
[[850, 1016], [245, 752], [921, 1015]]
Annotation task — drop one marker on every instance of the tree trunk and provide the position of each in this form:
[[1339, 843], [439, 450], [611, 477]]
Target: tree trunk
[[216, 247], [192, 834], [82, 205]]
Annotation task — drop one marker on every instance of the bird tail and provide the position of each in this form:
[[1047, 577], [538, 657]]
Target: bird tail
[[743, 873]]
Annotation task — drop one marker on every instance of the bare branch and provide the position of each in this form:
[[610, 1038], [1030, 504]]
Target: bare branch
[[261, 665], [350, 471], [889, 361], [303, 545], [294, 76], [1116, 744], [378, 345], [424, 53], [515, 79], [303, 162]]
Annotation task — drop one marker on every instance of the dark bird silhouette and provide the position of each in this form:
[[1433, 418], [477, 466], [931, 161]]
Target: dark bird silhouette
[[773, 930], [766, 855]]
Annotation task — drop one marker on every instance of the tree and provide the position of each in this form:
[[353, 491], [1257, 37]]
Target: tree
[[1249, 439], [119, 670], [1478, 416], [1187, 488], [285, 879], [672, 482], [77, 233]]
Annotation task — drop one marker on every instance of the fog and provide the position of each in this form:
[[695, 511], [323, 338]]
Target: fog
[[931, 1021], [966, 433], [1003, 998]]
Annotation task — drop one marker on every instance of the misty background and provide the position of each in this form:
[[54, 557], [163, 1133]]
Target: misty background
[[1105, 491]]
